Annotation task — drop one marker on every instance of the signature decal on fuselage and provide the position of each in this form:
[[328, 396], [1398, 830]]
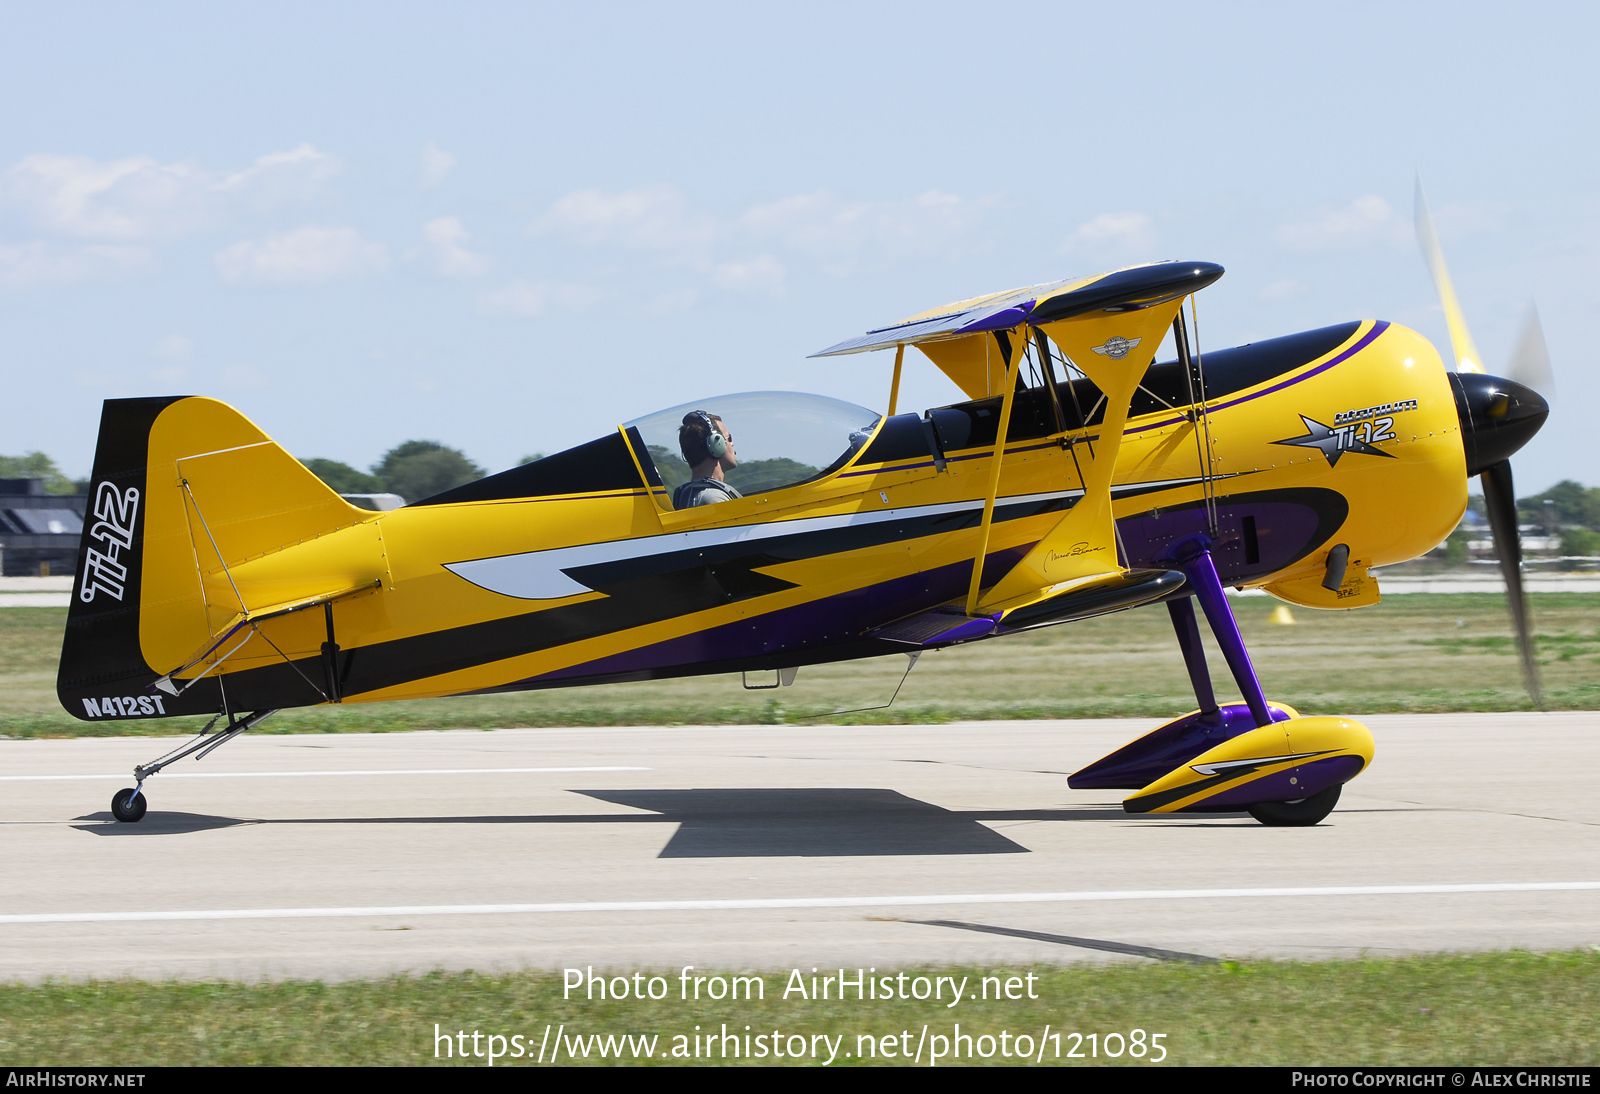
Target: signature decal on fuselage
[[1077, 550], [104, 568]]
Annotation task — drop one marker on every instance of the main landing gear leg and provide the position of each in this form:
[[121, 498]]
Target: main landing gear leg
[[1194, 656], [1257, 756], [1207, 586], [128, 805]]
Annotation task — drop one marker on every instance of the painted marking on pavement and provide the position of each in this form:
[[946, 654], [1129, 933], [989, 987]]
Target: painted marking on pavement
[[799, 902], [312, 774]]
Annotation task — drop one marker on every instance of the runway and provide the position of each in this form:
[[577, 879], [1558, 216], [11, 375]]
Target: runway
[[773, 847]]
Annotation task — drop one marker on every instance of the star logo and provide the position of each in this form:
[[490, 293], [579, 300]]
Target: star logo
[[1336, 441], [1116, 347]]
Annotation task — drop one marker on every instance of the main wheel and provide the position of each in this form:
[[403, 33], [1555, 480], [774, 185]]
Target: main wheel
[[1297, 814], [128, 805]]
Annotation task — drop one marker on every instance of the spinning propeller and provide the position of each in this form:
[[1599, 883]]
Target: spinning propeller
[[1498, 416]]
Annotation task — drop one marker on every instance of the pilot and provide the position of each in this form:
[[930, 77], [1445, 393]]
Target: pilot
[[707, 448]]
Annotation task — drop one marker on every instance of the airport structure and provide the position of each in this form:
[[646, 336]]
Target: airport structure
[[39, 532]]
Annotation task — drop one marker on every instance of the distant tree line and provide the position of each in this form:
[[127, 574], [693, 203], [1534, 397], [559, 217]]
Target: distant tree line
[[414, 470], [36, 465], [1567, 510], [420, 469]]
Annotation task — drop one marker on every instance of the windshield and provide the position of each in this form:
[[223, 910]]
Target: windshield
[[780, 438]]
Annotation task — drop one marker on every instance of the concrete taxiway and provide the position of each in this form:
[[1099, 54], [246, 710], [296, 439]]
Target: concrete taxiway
[[772, 847]]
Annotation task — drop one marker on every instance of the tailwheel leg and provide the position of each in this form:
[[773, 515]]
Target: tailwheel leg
[[129, 804]]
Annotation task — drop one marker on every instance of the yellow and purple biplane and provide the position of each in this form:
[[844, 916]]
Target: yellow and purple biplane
[[1079, 477]]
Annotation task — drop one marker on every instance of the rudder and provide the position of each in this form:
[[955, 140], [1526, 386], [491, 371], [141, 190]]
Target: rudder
[[182, 488]]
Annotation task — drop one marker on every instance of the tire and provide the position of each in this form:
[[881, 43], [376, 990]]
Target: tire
[[1297, 814], [128, 808]]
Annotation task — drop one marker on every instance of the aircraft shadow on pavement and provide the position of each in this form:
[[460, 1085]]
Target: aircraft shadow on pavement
[[818, 822], [749, 822], [156, 824]]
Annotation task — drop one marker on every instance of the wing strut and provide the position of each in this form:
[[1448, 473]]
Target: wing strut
[[1199, 414], [894, 386], [1017, 346]]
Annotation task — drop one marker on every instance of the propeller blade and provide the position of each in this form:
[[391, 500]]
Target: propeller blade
[[1530, 364], [1466, 354], [1499, 496]]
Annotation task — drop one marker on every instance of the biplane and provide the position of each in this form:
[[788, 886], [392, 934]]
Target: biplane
[[1078, 477]]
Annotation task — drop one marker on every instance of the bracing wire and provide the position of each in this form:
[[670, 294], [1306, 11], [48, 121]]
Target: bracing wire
[[1207, 476]]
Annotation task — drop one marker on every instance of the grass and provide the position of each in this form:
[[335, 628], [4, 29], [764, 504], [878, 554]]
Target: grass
[[1484, 1009], [1412, 653]]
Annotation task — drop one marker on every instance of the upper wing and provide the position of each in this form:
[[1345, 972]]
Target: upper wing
[[1130, 289]]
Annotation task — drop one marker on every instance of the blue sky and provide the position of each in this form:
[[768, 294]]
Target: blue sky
[[509, 227]]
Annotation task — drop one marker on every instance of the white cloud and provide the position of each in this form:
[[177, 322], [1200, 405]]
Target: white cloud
[[845, 236], [281, 178], [1127, 233], [174, 347], [446, 238], [39, 264], [653, 218], [1365, 221], [171, 375], [306, 256], [521, 297], [762, 274], [436, 164], [138, 198], [838, 235]]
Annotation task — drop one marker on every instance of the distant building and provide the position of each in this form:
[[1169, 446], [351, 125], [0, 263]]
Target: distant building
[[39, 532]]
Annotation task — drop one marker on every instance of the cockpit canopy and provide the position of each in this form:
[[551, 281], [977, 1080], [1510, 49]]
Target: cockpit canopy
[[781, 438]]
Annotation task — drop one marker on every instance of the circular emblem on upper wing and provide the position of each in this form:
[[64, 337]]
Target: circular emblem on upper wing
[[1116, 347]]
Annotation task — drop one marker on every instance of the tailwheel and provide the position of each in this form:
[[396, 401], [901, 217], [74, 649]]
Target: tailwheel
[[128, 805], [1297, 814]]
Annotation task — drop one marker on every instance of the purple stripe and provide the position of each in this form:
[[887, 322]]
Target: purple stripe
[[1311, 778], [957, 459], [1004, 319], [1366, 340], [565, 497], [802, 630], [1141, 762]]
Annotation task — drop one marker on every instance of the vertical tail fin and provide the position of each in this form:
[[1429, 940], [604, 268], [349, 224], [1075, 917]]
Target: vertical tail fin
[[100, 656], [182, 490]]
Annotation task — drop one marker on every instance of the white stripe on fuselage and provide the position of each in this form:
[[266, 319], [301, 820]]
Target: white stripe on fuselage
[[537, 575]]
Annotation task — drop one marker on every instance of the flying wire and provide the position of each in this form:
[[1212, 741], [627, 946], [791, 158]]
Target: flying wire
[[1207, 479], [882, 706]]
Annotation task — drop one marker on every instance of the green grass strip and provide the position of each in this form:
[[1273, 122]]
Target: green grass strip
[[1486, 1009], [1417, 653]]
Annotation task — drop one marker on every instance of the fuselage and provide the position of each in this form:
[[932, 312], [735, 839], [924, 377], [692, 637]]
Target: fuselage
[[1348, 435]]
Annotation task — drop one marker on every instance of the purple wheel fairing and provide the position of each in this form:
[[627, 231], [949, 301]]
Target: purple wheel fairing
[[1141, 762], [1309, 779]]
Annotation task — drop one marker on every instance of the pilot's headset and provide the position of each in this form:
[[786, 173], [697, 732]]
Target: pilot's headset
[[716, 443]]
